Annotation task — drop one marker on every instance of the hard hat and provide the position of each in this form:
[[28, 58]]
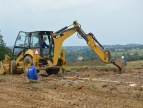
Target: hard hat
[[122, 57]]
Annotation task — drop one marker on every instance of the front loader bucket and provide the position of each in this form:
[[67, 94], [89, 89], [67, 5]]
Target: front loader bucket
[[2, 70], [120, 64], [5, 65], [8, 66]]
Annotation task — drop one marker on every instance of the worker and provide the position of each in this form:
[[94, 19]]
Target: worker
[[125, 63], [44, 45], [32, 73]]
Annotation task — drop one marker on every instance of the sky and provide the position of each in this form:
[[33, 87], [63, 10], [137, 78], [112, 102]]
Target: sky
[[111, 21]]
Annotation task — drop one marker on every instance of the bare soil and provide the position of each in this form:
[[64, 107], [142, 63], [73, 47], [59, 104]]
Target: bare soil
[[90, 88]]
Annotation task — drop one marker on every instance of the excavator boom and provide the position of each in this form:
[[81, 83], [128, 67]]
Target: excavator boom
[[105, 55]]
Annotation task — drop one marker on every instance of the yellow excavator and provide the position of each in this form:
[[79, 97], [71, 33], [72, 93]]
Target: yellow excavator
[[28, 48]]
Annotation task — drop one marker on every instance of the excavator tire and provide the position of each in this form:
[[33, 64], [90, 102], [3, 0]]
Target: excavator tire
[[52, 71], [26, 63], [13, 67]]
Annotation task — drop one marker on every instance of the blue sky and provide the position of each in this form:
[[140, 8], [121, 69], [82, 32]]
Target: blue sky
[[111, 21]]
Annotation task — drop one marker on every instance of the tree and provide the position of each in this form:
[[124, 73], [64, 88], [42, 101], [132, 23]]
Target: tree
[[5, 51]]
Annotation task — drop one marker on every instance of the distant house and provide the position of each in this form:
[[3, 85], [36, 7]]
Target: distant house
[[1, 41], [80, 58], [119, 49]]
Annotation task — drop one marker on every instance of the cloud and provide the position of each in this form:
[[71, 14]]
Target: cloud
[[41, 5], [58, 4], [107, 19]]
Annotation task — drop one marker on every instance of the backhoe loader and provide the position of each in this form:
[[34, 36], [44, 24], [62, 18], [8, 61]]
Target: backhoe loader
[[28, 48]]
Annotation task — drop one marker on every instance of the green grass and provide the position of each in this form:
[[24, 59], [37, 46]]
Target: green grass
[[131, 64], [89, 67], [140, 52], [75, 85], [135, 64], [120, 53], [92, 85], [77, 67], [3, 78]]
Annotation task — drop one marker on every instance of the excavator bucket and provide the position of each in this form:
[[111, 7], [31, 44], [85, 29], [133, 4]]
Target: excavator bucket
[[5, 65], [120, 64]]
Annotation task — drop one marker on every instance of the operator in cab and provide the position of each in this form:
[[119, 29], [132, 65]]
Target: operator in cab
[[32, 73], [43, 43]]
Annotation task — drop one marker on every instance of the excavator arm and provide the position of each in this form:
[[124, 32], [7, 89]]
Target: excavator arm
[[60, 36]]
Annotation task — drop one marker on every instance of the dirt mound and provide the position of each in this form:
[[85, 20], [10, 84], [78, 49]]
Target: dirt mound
[[95, 88], [87, 63]]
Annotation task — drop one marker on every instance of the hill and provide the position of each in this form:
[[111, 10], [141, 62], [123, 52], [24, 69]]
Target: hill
[[85, 53]]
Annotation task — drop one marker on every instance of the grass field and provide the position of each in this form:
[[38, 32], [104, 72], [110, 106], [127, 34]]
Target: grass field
[[131, 64], [120, 53]]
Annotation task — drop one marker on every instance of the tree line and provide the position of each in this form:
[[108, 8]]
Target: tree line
[[5, 51], [73, 53]]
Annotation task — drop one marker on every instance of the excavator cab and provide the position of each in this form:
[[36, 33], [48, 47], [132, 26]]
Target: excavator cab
[[35, 47], [32, 40]]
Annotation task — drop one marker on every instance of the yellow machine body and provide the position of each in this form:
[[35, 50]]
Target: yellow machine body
[[54, 58]]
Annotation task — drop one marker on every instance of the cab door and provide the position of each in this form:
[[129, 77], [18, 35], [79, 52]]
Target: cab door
[[21, 43]]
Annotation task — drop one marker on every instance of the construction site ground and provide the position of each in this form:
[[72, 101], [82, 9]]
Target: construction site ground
[[83, 87]]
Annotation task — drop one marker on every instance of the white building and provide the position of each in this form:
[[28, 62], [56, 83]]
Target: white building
[[80, 58]]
